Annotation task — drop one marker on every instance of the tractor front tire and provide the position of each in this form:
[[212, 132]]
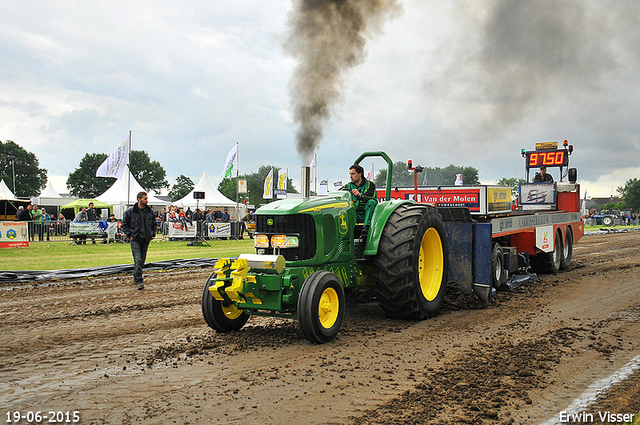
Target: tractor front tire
[[412, 263], [321, 307], [220, 316]]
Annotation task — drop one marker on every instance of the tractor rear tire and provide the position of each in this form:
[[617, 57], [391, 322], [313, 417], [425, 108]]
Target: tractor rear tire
[[321, 306], [607, 221], [412, 263], [220, 315], [567, 251]]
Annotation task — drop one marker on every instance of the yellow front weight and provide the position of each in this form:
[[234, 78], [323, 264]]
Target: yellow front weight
[[223, 271], [236, 291], [233, 283]]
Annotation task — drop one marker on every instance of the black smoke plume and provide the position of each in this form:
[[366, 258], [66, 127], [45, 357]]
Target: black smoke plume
[[327, 37]]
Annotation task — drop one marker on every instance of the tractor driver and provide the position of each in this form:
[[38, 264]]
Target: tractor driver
[[364, 196], [542, 176]]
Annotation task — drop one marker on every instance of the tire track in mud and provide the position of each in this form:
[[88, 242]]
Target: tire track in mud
[[622, 398], [485, 382], [476, 385], [491, 380]]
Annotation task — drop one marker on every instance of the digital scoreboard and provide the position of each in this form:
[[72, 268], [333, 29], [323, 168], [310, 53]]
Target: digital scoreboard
[[554, 158]]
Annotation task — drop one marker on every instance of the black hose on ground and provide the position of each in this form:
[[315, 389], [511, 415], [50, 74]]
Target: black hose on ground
[[23, 276]]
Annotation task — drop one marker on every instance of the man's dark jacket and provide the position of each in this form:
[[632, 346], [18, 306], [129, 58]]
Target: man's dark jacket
[[134, 216]]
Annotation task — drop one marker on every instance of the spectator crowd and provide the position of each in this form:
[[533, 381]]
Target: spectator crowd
[[43, 226]]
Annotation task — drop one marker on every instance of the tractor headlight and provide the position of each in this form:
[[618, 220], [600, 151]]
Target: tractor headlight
[[261, 241], [284, 241]]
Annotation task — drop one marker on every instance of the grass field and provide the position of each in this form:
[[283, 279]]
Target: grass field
[[63, 255]]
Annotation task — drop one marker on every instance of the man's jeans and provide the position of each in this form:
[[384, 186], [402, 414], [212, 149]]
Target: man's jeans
[[139, 251]]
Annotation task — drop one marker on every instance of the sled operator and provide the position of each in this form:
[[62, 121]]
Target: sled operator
[[542, 176]]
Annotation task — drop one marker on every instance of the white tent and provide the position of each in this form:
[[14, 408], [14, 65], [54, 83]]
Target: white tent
[[8, 203], [50, 191], [212, 198], [5, 192], [116, 195], [50, 197]]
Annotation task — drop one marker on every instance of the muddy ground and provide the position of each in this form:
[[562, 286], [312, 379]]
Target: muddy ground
[[118, 355]]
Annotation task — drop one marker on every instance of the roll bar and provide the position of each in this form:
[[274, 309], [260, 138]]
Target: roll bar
[[389, 170]]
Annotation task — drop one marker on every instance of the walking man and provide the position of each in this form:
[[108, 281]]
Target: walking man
[[139, 225]]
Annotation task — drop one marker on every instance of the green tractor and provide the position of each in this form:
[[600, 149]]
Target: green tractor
[[310, 250]]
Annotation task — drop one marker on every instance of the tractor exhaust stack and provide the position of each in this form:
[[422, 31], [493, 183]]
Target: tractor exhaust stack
[[306, 182]]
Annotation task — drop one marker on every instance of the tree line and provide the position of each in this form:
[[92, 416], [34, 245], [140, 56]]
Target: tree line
[[82, 182], [429, 176]]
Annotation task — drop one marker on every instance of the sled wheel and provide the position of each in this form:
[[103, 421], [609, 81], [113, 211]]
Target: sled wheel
[[549, 262], [412, 263], [223, 316], [321, 307], [498, 277], [567, 251]]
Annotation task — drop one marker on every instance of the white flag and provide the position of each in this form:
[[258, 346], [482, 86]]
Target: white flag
[[337, 185], [324, 187], [268, 186], [282, 179], [232, 160], [242, 185], [458, 180], [282, 184], [370, 173], [116, 163]]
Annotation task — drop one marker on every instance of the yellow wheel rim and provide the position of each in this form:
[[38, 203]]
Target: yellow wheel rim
[[328, 308], [430, 264], [231, 312]]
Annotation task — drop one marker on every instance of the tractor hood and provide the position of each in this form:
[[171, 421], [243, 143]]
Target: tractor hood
[[340, 200]]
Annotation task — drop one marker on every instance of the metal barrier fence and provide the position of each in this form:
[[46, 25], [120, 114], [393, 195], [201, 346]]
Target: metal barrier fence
[[58, 231], [592, 221], [49, 230]]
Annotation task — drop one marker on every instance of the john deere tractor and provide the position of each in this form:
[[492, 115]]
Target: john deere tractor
[[309, 250]]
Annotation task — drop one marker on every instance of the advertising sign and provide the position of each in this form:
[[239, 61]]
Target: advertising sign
[[499, 199], [14, 234], [445, 197], [537, 194], [182, 230], [219, 230], [85, 228], [544, 238], [479, 199]]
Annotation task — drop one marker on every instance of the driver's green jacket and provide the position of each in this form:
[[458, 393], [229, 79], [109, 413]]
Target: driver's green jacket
[[366, 202]]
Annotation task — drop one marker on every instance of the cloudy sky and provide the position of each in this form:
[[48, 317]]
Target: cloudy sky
[[458, 82]]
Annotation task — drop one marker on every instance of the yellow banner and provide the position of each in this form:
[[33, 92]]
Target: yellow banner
[[498, 199], [546, 145]]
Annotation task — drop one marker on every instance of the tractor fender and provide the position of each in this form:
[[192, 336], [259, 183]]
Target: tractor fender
[[378, 220]]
